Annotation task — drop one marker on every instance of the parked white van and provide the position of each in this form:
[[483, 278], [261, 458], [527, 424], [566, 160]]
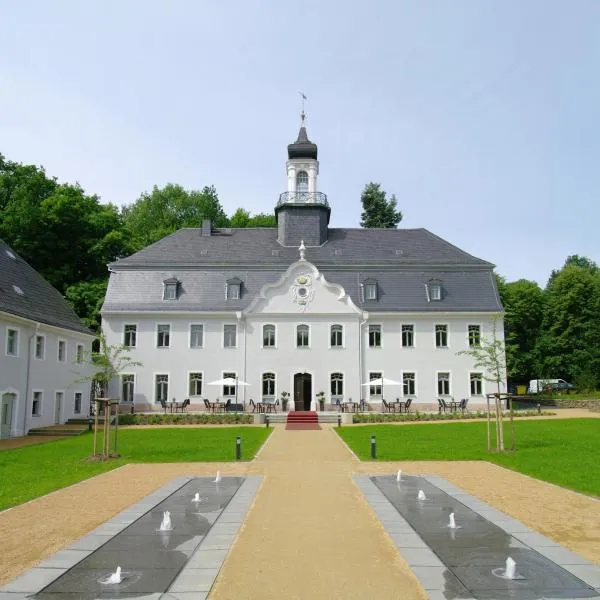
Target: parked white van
[[539, 385]]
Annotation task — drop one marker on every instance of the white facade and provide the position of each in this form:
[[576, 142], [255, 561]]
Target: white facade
[[302, 297], [39, 373]]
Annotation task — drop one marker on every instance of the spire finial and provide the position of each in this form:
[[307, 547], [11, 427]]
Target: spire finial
[[302, 114], [302, 250]]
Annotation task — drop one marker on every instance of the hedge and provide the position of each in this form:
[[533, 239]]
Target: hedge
[[419, 416], [186, 419]]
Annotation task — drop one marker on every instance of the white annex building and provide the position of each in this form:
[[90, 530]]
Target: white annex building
[[43, 347], [301, 308]]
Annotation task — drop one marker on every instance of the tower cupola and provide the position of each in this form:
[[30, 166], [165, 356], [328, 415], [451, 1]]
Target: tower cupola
[[302, 212]]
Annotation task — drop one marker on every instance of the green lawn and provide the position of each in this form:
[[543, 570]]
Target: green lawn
[[32, 471], [565, 452]]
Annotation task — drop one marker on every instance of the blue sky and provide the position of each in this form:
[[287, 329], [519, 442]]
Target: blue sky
[[481, 116]]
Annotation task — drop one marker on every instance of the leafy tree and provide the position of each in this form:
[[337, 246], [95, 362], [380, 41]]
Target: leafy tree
[[570, 336], [523, 302], [86, 299], [242, 218], [165, 210], [378, 210], [64, 234]]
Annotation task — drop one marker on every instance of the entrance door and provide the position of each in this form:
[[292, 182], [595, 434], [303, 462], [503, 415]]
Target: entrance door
[[302, 391], [6, 410], [58, 397]]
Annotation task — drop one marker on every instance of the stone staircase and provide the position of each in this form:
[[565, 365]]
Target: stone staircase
[[68, 430], [322, 417]]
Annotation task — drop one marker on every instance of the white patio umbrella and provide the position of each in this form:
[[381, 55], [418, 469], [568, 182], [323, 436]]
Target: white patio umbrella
[[382, 381], [229, 381]]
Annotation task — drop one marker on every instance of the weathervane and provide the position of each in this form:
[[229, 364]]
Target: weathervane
[[302, 250], [302, 114]]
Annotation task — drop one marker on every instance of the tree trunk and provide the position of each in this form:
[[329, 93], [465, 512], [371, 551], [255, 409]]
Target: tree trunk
[[513, 441], [489, 433], [96, 426], [497, 406], [116, 426], [500, 421]]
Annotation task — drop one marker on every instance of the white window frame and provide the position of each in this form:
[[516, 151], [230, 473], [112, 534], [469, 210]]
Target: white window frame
[[233, 291], [376, 397], [125, 334], [58, 359], [232, 374], [435, 326], [41, 402], [307, 347], [469, 325], [404, 394], [435, 289], [154, 385], [298, 174], [482, 380], [190, 337], [236, 335], [17, 331], [79, 358], [402, 335], [168, 287], [202, 384], [437, 389], [262, 381], [380, 325], [75, 392], [62, 405], [341, 329], [133, 390], [331, 394], [370, 286], [274, 334], [169, 334], [43, 356]]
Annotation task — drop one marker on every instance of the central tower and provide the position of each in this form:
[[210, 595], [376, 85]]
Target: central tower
[[302, 212]]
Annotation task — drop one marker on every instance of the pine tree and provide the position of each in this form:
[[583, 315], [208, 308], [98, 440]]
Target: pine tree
[[378, 210]]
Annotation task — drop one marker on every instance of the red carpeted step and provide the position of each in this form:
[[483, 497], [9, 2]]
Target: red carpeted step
[[302, 417]]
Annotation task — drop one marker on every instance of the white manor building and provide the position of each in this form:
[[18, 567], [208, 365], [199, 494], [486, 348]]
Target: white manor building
[[301, 308], [44, 351]]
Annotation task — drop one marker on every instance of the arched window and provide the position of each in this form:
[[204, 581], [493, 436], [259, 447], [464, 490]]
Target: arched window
[[337, 336], [302, 336], [268, 385], [337, 384], [302, 182], [268, 336]]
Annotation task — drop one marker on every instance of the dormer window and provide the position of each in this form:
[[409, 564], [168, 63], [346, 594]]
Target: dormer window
[[233, 289], [170, 288], [370, 290], [434, 290]]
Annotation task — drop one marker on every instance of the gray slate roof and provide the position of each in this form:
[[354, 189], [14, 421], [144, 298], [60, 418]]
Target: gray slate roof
[[344, 247], [40, 301], [204, 290]]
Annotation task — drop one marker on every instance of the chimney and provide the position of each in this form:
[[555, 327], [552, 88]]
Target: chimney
[[206, 228]]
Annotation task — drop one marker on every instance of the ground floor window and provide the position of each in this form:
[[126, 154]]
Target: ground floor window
[[476, 384], [195, 386], [36, 405], [337, 385], [162, 388], [229, 390], [444, 384], [77, 403], [408, 384], [127, 384], [268, 385], [375, 390]]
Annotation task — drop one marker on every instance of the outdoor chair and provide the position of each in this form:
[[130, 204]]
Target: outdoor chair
[[442, 405], [363, 405], [407, 405], [183, 406], [226, 407], [163, 403], [207, 405], [386, 406], [463, 405], [253, 405]]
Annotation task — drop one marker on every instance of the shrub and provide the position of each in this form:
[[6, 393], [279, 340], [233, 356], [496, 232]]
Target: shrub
[[418, 416], [187, 419]]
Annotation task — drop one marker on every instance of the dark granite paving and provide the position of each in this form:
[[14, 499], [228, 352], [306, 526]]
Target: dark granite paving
[[150, 559], [478, 548]]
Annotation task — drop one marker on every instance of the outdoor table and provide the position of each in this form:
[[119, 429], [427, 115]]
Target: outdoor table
[[268, 406], [453, 404], [217, 406], [349, 406], [171, 404]]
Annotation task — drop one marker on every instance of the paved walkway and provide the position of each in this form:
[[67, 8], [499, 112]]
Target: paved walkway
[[310, 533]]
